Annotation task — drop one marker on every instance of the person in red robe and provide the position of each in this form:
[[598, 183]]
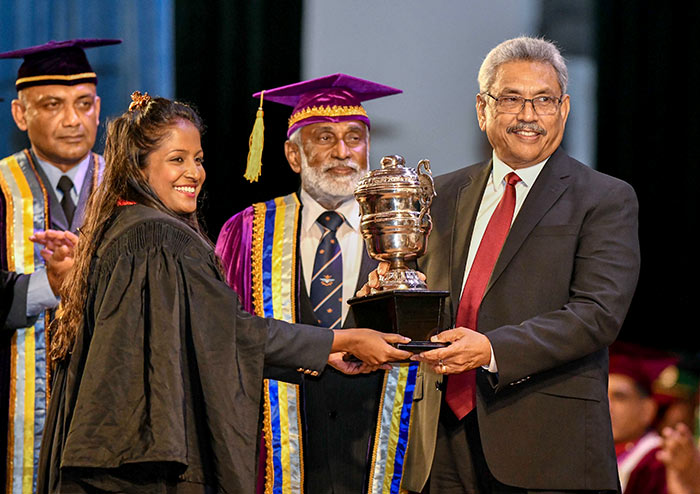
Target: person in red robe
[[633, 410]]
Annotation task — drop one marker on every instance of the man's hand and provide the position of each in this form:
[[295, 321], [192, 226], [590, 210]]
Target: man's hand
[[58, 252], [53, 239], [373, 280], [372, 347], [468, 350]]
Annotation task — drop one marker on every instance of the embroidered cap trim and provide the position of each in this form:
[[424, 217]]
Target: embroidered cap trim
[[326, 111]]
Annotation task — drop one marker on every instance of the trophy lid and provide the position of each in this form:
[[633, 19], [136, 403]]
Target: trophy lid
[[394, 176]]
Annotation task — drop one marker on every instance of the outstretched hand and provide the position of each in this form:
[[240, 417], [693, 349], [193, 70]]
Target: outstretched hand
[[467, 350], [339, 362], [58, 252], [374, 279], [372, 347]]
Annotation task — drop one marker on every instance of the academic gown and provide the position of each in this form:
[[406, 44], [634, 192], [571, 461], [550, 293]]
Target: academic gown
[[161, 392], [339, 411]]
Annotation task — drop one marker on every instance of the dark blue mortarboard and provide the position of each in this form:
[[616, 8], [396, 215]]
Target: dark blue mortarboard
[[56, 62]]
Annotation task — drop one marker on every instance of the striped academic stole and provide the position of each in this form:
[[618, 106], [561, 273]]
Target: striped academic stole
[[273, 271], [25, 210], [393, 424]]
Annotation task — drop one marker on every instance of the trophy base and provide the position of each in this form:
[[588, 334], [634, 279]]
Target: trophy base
[[413, 313], [401, 278]]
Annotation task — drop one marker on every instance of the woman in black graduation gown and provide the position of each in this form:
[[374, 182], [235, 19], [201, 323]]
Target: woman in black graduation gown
[[157, 371]]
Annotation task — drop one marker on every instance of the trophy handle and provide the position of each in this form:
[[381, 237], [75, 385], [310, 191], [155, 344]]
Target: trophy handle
[[425, 177]]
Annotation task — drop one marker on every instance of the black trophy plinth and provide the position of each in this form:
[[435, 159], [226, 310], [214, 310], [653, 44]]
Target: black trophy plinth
[[416, 314]]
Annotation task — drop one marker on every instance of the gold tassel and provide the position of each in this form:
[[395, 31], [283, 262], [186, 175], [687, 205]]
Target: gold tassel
[[255, 145]]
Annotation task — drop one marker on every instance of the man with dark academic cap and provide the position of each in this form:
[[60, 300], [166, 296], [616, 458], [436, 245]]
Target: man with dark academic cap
[[632, 411], [43, 187], [299, 258]]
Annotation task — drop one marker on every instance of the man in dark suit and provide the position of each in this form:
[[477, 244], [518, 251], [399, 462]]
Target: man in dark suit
[[540, 256], [328, 145]]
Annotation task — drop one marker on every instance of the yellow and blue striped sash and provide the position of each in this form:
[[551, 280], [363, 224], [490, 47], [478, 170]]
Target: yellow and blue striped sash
[[393, 424], [274, 253], [26, 210]]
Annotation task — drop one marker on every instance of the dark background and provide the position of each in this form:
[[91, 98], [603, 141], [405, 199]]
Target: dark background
[[648, 126]]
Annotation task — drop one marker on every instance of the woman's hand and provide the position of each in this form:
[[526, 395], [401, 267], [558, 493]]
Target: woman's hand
[[339, 362], [372, 347]]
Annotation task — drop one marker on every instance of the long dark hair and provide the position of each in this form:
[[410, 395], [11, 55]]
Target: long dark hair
[[131, 138]]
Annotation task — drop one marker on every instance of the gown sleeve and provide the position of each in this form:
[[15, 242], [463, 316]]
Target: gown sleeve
[[7, 283]]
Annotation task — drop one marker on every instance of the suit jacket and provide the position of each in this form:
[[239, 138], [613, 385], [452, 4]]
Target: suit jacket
[[7, 283], [556, 299]]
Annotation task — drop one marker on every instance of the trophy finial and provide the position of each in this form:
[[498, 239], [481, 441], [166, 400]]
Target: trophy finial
[[392, 161]]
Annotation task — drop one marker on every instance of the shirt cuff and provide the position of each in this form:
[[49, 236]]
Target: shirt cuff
[[39, 294], [492, 367]]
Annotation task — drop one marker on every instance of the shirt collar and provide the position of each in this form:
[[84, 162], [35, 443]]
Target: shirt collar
[[350, 210], [76, 173], [527, 175]]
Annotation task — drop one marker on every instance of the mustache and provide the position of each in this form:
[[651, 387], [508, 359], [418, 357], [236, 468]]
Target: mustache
[[336, 163], [531, 127]]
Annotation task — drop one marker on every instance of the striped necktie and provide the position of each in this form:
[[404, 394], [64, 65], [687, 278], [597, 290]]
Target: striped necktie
[[327, 281]]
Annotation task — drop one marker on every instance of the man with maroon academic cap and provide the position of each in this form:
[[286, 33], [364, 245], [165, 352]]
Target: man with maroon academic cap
[[307, 249], [43, 187], [632, 411]]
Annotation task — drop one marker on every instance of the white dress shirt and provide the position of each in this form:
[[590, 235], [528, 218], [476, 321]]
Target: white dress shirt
[[495, 186], [348, 235]]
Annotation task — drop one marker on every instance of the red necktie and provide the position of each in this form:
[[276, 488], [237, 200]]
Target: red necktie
[[461, 388]]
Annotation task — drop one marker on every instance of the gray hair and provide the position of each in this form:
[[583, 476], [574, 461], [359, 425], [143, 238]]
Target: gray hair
[[296, 137], [522, 48]]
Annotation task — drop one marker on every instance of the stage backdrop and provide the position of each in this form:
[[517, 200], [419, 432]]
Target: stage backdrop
[[144, 61]]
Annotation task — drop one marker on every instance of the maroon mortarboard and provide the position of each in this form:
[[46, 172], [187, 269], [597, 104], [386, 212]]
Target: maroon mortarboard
[[332, 98], [56, 62], [632, 367]]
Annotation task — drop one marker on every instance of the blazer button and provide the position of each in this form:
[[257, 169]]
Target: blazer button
[[332, 414]]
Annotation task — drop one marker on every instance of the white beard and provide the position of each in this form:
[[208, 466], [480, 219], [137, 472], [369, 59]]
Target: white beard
[[328, 189]]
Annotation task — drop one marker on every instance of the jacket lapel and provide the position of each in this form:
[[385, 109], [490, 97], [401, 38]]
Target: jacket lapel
[[549, 186], [465, 211], [366, 267], [85, 190], [58, 217]]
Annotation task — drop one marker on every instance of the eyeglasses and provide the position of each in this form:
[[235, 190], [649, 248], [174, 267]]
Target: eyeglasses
[[543, 105]]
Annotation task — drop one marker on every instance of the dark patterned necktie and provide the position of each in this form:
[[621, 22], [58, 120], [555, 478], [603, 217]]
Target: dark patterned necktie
[[65, 185], [327, 280], [461, 388]]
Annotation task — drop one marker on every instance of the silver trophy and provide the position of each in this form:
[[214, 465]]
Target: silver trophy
[[395, 208]]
